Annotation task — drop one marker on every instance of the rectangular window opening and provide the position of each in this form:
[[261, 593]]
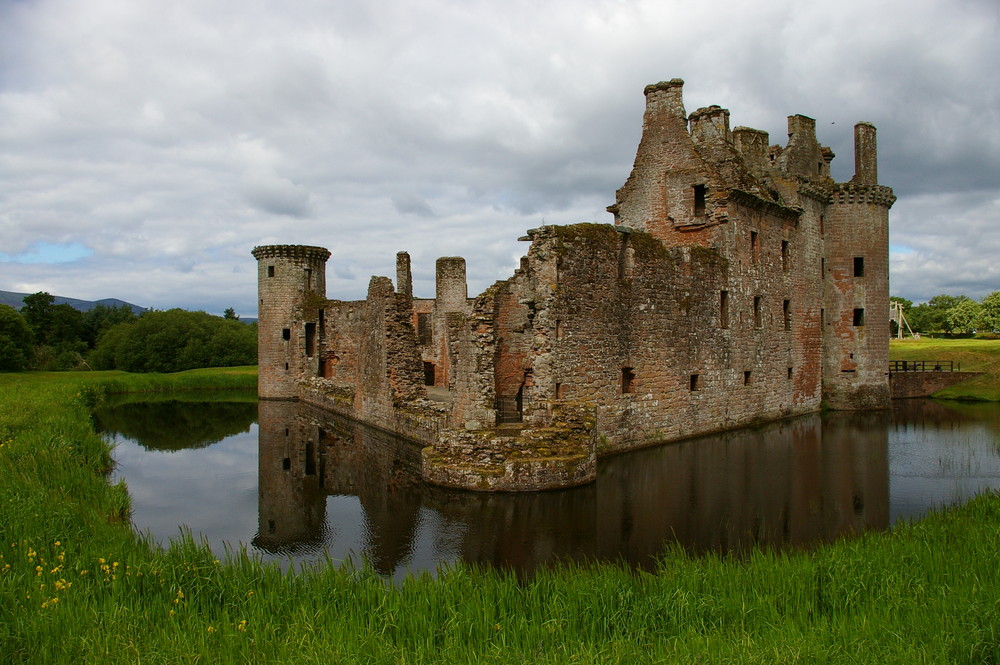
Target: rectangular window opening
[[310, 339], [746, 378], [699, 200], [286, 334], [784, 256], [424, 332], [309, 278], [859, 266], [723, 309], [786, 312], [758, 318], [754, 247], [561, 391], [628, 380], [695, 382], [270, 271], [859, 316], [428, 374], [789, 373]]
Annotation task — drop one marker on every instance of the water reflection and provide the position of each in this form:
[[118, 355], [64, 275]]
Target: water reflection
[[305, 485], [789, 483]]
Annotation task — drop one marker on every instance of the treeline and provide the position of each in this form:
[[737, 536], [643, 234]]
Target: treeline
[[46, 336], [953, 315]]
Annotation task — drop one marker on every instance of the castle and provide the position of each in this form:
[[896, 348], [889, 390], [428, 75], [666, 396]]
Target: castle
[[738, 283]]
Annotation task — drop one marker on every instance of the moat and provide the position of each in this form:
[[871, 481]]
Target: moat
[[294, 484]]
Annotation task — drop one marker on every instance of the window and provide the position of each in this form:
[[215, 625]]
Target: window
[[286, 334], [424, 333], [310, 339], [859, 316], [560, 391], [786, 312], [309, 278], [628, 380], [789, 373], [723, 309], [270, 271], [746, 378], [428, 373], [695, 382], [699, 200], [758, 319], [821, 220], [754, 247], [784, 255], [859, 266]]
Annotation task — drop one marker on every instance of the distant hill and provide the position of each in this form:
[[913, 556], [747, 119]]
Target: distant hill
[[16, 300]]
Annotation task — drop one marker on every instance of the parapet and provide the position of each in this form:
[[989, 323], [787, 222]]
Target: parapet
[[308, 252]]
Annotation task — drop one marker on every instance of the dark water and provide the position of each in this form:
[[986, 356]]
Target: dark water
[[303, 485]]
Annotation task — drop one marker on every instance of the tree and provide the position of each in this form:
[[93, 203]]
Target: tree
[[173, 341], [989, 318], [932, 316], [230, 314], [964, 316], [102, 317], [15, 341]]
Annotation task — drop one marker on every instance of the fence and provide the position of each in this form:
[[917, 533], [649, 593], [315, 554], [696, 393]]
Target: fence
[[923, 366]]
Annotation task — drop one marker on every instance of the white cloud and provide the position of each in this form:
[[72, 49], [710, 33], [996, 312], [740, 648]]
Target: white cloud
[[171, 138]]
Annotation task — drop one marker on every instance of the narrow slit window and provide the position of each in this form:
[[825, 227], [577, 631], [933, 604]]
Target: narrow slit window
[[723, 309], [699, 200], [628, 380], [270, 271], [789, 373], [309, 278], [754, 247], [859, 316], [746, 378], [758, 318], [859, 266], [786, 312], [694, 383], [784, 256]]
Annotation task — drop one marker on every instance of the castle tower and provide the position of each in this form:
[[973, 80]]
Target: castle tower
[[286, 343], [856, 285]]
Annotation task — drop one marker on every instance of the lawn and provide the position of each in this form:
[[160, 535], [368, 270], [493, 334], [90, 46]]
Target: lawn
[[969, 355]]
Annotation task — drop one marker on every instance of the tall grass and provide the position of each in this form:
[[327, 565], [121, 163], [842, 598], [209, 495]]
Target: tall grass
[[76, 585]]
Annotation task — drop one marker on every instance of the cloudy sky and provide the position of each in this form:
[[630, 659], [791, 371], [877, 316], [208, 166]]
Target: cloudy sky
[[146, 147]]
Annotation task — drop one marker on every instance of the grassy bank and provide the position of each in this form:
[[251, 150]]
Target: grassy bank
[[77, 586], [973, 355]]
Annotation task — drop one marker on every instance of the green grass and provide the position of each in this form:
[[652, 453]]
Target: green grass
[[973, 355], [76, 585]]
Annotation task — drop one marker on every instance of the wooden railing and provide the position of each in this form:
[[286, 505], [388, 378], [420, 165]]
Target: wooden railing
[[923, 366]]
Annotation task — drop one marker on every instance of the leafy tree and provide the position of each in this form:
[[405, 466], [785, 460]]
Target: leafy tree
[[15, 341], [932, 316], [964, 316], [230, 314], [989, 319], [175, 340], [102, 317]]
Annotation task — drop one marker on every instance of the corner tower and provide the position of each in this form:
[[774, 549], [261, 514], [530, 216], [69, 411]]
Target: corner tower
[[286, 276], [856, 284]]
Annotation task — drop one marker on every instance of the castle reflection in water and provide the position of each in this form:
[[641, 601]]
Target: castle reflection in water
[[793, 483]]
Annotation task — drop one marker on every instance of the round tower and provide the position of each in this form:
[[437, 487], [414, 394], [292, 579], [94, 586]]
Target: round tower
[[287, 275], [856, 285]]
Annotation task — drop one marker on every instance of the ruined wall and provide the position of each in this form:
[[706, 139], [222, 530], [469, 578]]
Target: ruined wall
[[641, 334]]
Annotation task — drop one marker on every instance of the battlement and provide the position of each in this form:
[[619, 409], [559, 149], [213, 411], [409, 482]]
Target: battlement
[[306, 252]]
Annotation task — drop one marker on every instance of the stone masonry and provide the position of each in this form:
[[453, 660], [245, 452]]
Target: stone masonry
[[738, 283]]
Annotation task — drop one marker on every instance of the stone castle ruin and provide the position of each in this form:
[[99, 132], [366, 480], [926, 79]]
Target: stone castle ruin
[[738, 283]]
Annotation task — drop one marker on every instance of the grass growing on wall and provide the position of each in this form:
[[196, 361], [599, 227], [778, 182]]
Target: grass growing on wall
[[973, 355], [77, 586]]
